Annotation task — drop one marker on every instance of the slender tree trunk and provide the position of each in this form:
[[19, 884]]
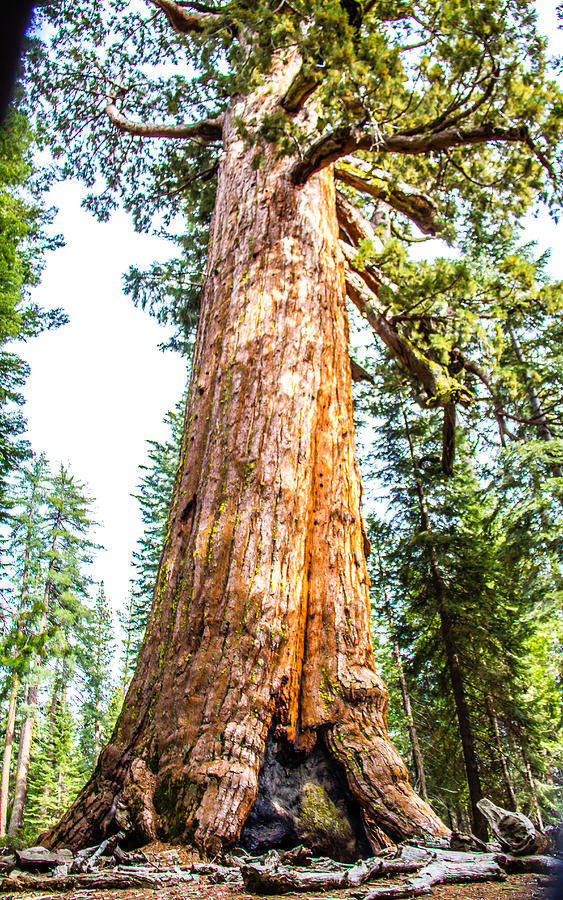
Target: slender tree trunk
[[7, 756], [12, 705], [97, 740], [258, 642], [520, 747], [97, 701], [492, 714], [418, 762], [22, 771], [541, 423], [452, 658], [462, 712], [26, 733], [533, 793], [413, 736]]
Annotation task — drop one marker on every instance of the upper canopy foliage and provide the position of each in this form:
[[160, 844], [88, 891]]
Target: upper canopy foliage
[[443, 117], [375, 72]]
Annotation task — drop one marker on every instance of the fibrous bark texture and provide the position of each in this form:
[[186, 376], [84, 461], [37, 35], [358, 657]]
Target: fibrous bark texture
[[261, 620]]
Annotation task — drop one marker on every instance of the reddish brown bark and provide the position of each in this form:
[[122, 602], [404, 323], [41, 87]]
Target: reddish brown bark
[[260, 619]]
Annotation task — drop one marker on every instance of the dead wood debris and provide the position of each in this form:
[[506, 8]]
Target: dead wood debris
[[109, 867]]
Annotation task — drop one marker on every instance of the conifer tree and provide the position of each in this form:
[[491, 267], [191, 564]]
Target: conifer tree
[[25, 550], [155, 492], [258, 641], [56, 773], [495, 599], [97, 688], [22, 242], [67, 520]]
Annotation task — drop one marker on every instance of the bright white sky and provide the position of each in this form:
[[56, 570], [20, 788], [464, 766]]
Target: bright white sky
[[99, 387]]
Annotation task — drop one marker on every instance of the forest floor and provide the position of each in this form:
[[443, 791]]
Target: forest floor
[[516, 887]]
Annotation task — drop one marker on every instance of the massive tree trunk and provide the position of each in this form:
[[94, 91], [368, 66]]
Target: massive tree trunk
[[257, 656]]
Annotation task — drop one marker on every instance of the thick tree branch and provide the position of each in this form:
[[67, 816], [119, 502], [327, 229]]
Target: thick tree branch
[[356, 227], [373, 277], [404, 198], [448, 438], [343, 141], [183, 20], [303, 85], [362, 287], [359, 373], [438, 384], [207, 130]]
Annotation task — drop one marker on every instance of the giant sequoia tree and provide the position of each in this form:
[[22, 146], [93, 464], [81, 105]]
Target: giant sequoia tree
[[255, 686]]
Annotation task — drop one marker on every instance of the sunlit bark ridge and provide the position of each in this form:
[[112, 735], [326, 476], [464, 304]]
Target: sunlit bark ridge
[[260, 626]]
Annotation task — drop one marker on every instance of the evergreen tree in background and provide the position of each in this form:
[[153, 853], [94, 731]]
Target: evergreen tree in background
[[22, 244], [96, 657], [155, 492], [56, 770], [127, 616], [470, 604], [26, 549], [58, 609]]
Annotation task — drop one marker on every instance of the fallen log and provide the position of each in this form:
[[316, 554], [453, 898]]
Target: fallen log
[[440, 872], [542, 865], [277, 878], [217, 874], [106, 879], [88, 858], [515, 831]]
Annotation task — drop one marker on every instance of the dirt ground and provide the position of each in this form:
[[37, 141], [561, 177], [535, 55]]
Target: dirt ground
[[516, 887]]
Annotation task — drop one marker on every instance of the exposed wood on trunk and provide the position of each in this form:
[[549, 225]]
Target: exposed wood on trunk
[[261, 613]]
